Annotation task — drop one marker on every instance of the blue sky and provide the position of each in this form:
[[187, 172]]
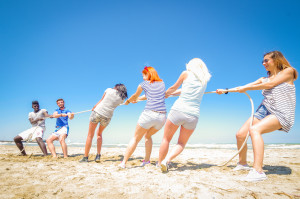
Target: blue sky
[[76, 49]]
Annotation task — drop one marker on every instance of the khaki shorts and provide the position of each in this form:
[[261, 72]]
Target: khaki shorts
[[97, 118]]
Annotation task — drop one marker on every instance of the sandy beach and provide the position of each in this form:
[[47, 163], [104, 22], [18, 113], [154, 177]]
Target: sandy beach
[[194, 174]]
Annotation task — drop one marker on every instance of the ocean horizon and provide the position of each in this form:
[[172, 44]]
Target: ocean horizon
[[229, 146]]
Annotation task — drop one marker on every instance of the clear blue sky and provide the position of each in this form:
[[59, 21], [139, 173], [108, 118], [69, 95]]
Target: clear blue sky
[[76, 49]]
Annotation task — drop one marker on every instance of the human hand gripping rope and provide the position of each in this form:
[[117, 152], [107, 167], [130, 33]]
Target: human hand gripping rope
[[221, 91]]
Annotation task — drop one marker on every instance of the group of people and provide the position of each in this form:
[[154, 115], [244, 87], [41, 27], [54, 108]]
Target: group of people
[[36, 132], [276, 112]]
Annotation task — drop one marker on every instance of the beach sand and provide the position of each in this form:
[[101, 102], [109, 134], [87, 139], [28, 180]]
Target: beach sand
[[194, 174]]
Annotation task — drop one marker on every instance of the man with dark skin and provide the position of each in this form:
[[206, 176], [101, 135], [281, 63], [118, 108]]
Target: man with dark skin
[[35, 133]]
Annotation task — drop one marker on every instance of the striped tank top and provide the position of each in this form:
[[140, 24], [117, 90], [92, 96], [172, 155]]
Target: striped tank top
[[192, 91], [155, 93], [281, 102]]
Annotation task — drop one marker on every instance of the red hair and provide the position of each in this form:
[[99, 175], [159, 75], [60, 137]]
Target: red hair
[[152, 74]]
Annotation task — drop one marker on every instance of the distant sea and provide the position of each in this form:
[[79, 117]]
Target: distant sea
[[190, 146]]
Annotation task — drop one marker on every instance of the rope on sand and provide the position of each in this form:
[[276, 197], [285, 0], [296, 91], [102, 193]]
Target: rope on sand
[[251, 122]]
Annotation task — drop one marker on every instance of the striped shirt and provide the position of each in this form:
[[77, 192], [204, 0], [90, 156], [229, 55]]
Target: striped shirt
[[281, 102], [155, 93]]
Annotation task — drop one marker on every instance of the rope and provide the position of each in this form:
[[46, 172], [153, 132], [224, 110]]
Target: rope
[[251, 121]]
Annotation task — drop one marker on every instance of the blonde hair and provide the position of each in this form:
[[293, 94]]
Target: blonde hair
[[199, 69]]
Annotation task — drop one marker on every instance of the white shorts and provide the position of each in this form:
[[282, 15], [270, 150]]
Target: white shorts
[[32, 133], [60, 131], [179, 118], [149, 119]]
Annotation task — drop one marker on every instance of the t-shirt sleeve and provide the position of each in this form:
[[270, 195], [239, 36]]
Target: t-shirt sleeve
[[44, 111], [30, 116], [143, 85]]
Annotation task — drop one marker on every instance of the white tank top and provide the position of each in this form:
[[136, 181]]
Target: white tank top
[[191, 95]]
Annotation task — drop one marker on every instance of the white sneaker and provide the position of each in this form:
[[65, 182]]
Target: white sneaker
[[241, 167], [164, 166], [144, 163], [254, 176], [122, 165]]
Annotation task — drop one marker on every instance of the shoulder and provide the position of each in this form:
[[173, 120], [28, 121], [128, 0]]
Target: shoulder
[[108, 90], [288, 70], [143, 83], [184, 75], [43, 110]]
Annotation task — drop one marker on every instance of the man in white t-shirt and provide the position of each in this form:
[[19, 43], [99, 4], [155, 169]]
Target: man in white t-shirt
[[36, 132]]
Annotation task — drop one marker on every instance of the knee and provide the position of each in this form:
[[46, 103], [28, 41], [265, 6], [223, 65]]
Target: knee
[[62, 141], [254, 131], [147, 137], [99, 137], [241, 135], [17, 139]]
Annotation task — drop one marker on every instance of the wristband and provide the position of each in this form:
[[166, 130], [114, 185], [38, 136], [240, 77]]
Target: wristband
[[226, 91]]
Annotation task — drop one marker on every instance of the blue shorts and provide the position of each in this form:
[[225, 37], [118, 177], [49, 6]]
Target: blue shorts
[[261, 112]]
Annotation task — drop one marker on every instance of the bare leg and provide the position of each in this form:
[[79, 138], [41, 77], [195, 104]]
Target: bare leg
[[42, 145], [266, 125], [169, 131], [138, 135], [99, 138], [18, 140], [63, 144], [184, 136], [89, 139], [148, 143], [240, 138], [51, 146]]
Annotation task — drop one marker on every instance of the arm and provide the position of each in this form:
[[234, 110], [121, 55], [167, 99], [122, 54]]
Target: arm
[[56, 115], [36, 120], [259, 81], [285, 75], [141, 98], [47, 115], [99, 102], [178, 83], [135, 96], [70, 115]]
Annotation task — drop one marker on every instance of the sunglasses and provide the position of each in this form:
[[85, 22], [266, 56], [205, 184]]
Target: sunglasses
[[265, 60]]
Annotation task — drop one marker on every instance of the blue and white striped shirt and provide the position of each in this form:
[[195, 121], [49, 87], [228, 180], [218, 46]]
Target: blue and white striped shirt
[[155, 93]]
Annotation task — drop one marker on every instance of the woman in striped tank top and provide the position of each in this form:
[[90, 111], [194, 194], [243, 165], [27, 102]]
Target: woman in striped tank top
[[185, 111], [276, 112], [152, 118]]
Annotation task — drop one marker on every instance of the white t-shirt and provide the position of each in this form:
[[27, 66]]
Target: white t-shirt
[[110, 101], [191, 95], [38, 115]]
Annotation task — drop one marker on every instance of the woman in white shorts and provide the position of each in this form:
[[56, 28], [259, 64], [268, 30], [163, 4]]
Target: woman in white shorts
[[102, 113], [152, 118], [185, 111]]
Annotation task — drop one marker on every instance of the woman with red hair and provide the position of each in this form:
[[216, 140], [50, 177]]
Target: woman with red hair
[[152, 118]]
